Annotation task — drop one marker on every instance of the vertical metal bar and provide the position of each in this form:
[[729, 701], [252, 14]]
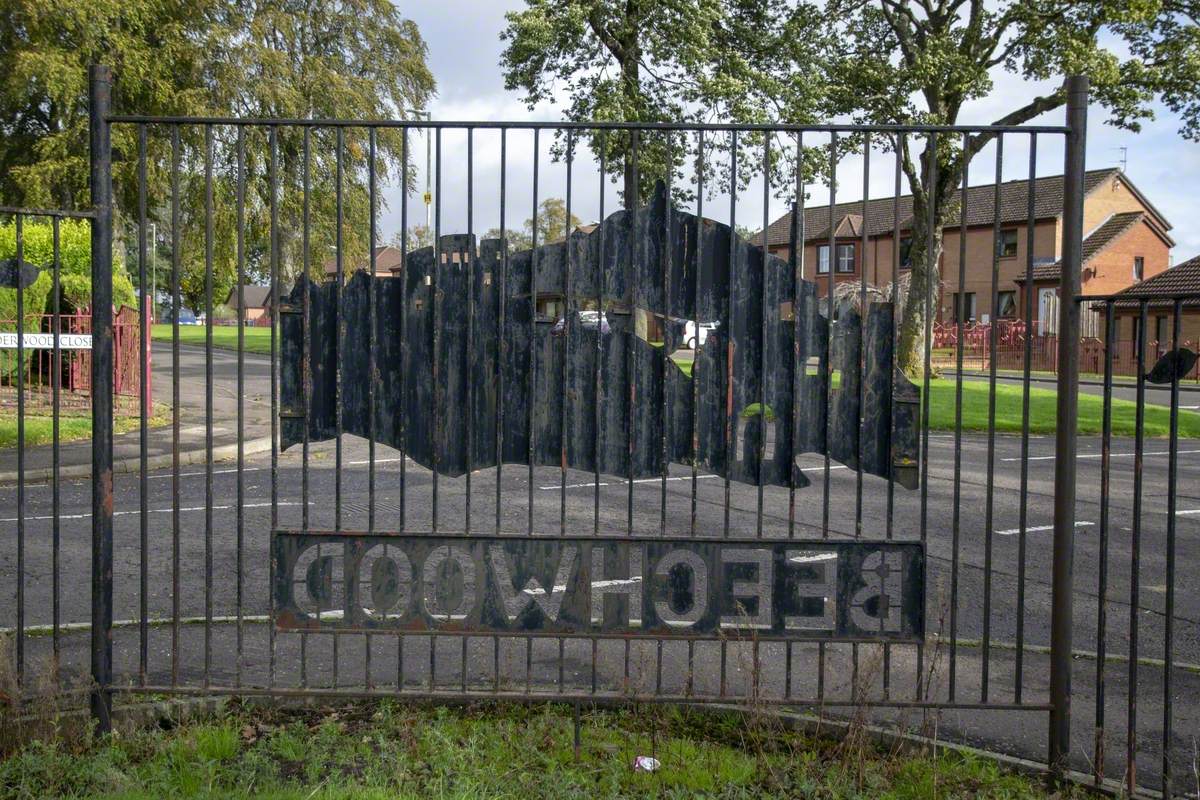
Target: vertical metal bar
[[727, 329], [1135, 545], [338, 350], [568, 331], [274, 234], [634, 268], [306, 360], [241, 392], [209, 241], [601, 322], [435, 361], [799, 365], [56, 498], [373, 333], [533, 344], [471, 266], [665, 258], [403, 429], [862, 350], [696, 281], [502, 352], [176, 243], [960, 312], [1172, 498], [100, 88], [20, 294], [144, 419], [930, 282], [1110, 335], [830, 309], [372, 359], [895, 300], [989, 512], [1023, 522], [1061, 618], [763, 334]]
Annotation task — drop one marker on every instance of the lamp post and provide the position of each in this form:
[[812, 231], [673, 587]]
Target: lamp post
[[428, 197]]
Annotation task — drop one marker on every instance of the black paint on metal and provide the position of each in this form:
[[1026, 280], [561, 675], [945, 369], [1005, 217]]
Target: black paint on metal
[[533, 399]]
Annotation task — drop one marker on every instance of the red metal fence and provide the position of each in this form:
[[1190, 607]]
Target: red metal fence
[[75, 363], [1043, 350]]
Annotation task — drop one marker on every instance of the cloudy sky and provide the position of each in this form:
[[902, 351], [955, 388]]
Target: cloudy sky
[[464, 52]]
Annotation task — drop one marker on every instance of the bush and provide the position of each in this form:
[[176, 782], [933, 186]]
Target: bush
[[75, 270]]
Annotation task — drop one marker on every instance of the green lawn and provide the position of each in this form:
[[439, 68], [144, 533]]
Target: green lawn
[[1042, 410], [387, 750], [40, 429], [225, 337]]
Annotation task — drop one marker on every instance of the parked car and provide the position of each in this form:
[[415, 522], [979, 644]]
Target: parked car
[[588, 320], [695, 333]]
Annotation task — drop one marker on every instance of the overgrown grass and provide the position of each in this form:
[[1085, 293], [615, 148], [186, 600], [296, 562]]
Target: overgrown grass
[[387, 750], [1043, 411], [225, 337], [39, 429]]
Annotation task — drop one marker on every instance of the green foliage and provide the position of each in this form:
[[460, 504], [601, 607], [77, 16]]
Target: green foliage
[[896, 62], [75, 269], [257, 58], [657, 61], [386, 750], [552, 226]]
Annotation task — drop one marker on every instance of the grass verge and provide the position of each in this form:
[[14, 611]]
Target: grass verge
[[1042, 410], [225, 337], [392, 750], [39, 429]]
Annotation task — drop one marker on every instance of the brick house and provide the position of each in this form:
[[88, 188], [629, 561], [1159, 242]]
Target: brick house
[[1159, 291], [387, 258], [258, 301], [1125, 240]]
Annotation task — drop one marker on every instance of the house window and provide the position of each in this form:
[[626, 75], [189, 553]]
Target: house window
[[964, 307], [1133, 333], [1006, 304], [822, 259], [845, 258], [906, 252], [1160, 330], [1139, 267], [1006, 245]]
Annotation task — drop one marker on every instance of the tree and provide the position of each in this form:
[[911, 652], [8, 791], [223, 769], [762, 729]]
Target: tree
[[552, 226], [652, 61], [418, 236], [260, 58], [943, 54]]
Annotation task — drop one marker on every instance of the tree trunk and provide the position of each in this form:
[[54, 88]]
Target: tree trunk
[[910, 356]]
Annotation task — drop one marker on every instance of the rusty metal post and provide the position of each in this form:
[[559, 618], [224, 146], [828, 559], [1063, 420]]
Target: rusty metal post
[[1065, 428], [100, 89]]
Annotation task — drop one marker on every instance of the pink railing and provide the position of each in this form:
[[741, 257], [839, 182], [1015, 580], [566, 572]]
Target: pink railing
[[76, 364]]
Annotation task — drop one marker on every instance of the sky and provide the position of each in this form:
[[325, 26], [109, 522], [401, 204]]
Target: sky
[[463, 37]]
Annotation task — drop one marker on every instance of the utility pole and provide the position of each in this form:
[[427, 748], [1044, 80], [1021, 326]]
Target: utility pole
[[428, 196]]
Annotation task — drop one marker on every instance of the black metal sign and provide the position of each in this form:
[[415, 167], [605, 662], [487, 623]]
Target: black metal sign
[[555, 356], [338, 582]]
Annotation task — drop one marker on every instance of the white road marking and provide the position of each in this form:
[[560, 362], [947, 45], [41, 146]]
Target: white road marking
[[808, 559], [1100, 455], [152, 511], [591, 484], [1011, 531]]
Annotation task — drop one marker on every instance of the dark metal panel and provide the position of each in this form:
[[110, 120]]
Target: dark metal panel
[[635, 309], [641, 586]]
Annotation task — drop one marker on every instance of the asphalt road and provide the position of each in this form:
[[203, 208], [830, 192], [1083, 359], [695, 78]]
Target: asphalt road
[[960, 551]]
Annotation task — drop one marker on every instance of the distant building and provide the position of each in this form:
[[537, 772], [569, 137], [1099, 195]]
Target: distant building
[[1125, 241], [387, 258], [258, 301], [1159, 292]]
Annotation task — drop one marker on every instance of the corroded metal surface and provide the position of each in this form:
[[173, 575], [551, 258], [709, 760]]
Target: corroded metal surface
[[740, 359], [330, 582]]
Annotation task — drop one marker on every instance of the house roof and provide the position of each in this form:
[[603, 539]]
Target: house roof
[[256, 296], [1105, 234], [386, 257], [1163, 288], [981, 206]]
